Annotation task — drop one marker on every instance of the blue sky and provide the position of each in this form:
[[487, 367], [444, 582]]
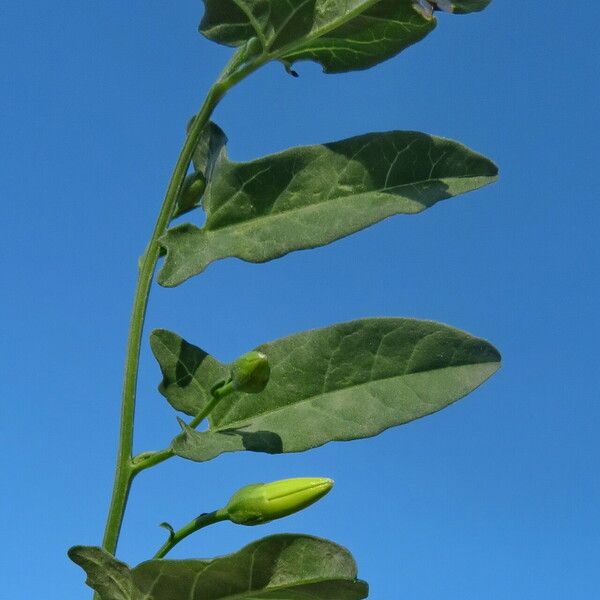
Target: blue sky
[[496, 497]]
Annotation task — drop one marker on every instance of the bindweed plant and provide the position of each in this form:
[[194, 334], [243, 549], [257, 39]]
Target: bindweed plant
[[344, 382]]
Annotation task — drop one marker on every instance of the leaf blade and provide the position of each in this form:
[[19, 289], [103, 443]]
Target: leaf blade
[[282, 567], [341, 36], [106, 575], [349, 381], [279, 566], [188, 372], [310, 196], [376, 34], [469, 6]]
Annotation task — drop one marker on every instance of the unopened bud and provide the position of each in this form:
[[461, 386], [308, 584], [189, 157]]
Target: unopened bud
[[263, 502], [253, 47], [191, 192], [250, 372]]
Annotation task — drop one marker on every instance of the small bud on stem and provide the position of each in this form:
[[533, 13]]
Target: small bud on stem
[[263, 502], [250, 373], [191, 192]]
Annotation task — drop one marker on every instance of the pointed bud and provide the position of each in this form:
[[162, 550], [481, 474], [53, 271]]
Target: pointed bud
[[253, 48], [250, 372], [263, 502]]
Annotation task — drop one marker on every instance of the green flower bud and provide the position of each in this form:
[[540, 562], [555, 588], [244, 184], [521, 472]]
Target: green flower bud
[[250, 372], [253, 48], [191, 192], [263, 502]]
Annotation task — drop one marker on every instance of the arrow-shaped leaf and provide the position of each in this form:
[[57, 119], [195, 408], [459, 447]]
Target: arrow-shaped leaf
[[341, 35], [338, 34], [312, 195], [345, 382], [280, 567]]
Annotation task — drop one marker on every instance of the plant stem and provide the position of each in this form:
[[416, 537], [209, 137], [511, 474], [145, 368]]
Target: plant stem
[[150, 459], [125, 470], [198, 523]]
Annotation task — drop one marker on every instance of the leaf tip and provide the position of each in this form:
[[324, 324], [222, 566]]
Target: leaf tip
[[169, 528], [289, 70], [73, 552]]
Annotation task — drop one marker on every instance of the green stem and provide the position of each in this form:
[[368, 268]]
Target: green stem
[[125, 470], [200, 522], [150, 459]]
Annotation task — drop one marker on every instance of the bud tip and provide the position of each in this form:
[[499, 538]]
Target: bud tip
[[263, 502]]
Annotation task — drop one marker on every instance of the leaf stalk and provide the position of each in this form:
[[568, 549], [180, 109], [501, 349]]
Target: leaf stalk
[[150, 459], [204, 520]]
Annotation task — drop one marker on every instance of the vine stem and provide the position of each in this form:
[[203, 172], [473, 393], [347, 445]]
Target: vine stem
[[144, 461], [125, 470], [196, 524]]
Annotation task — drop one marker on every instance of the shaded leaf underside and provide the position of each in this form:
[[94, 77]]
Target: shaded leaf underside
[[309, 196], [186, 369], [279, 567], [341, 35], [468, 6], [110, 577], [348, 381]]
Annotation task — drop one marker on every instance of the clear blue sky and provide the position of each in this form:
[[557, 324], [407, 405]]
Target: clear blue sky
[[497, 497]]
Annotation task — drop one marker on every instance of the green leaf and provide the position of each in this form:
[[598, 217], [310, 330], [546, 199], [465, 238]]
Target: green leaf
[[280, 567], [309, 196], [349, 381], [469, 6], [188, 372], [341, 35], [105, 574]]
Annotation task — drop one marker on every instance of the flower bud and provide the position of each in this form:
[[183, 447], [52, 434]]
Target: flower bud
[[263, 502], [253, 48], [250, 372], [191, 192]]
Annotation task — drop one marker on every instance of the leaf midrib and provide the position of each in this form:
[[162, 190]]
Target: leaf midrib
[[116, 580], [317, 33], [307, 39], [236, 424], [280, 588], [290, 586], [252, 20], [420, 182]]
